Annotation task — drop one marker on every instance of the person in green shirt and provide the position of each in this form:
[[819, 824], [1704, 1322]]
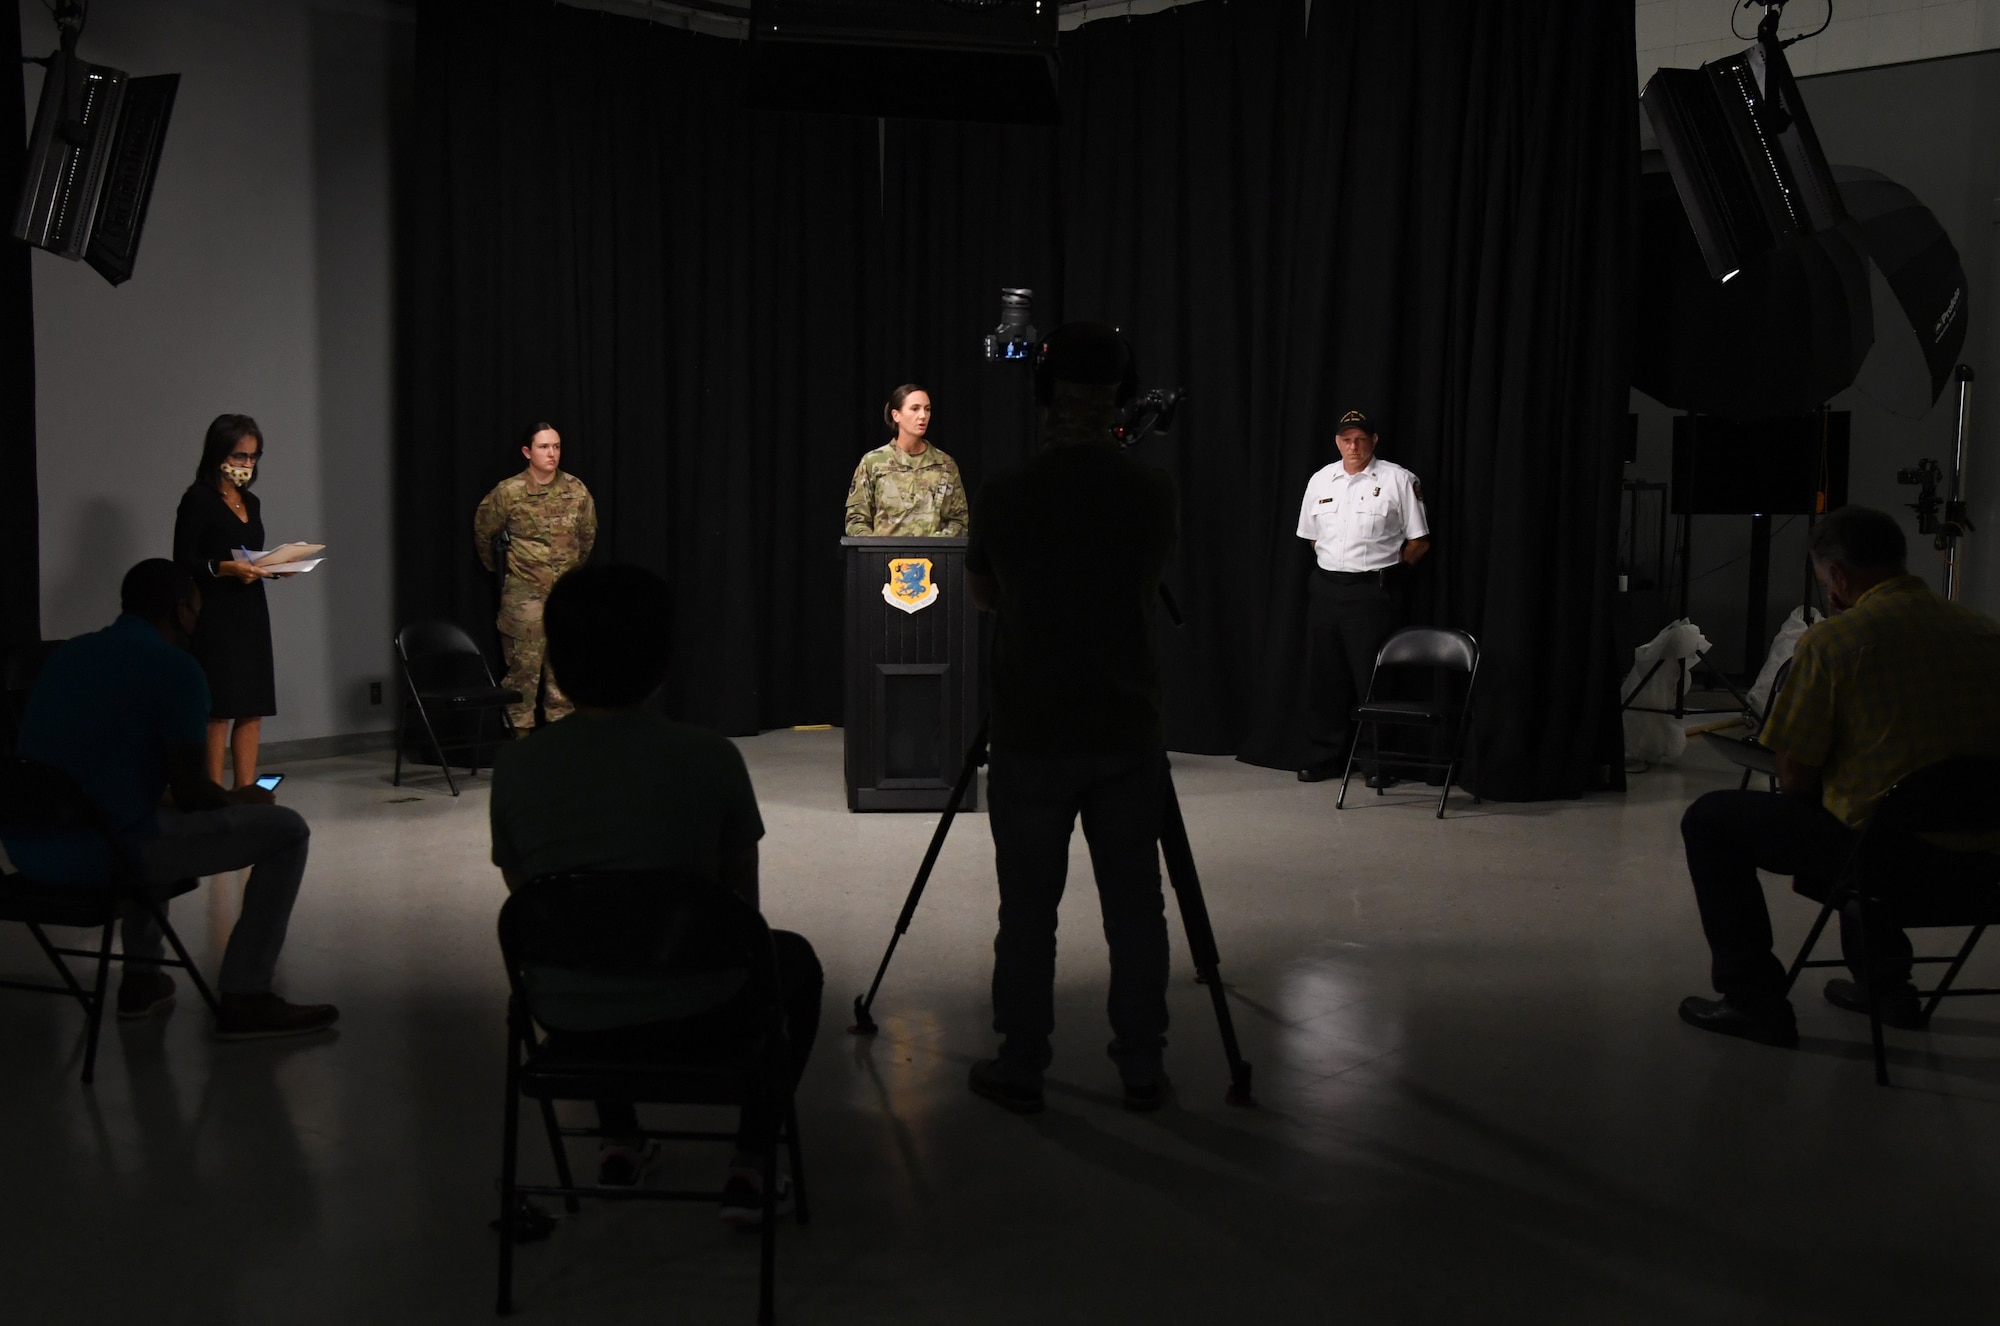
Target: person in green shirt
[[616, 787]]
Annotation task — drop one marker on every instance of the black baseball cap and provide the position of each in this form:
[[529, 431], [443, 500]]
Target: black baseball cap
[[1355, 419]]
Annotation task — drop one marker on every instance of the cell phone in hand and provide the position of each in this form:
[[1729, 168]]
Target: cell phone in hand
[[269, 782]]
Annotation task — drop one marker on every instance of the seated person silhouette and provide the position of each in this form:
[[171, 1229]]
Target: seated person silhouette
[[616, 787]]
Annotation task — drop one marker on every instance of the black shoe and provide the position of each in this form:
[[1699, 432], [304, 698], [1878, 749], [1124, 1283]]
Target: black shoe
[[1006, 1087], [1321, 771], [1381, 780], [531, 1222], [1146, 1097], [1900, 1008], [143, 993], [253, 1016], [1774, 1025]]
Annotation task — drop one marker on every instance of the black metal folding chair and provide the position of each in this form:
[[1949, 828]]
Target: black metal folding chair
[[36, 799], [1897, 876], [1750, 754], [17, 682], [1439, 652], [605, 969], [447, 681]]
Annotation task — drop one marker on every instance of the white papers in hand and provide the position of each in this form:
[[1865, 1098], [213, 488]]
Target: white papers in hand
[[286, 559]]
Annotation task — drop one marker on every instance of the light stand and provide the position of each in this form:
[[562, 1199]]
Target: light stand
[[1956, 523]]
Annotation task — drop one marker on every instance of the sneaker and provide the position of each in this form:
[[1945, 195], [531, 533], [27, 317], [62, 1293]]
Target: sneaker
[[621, 1166], [144, 993], [254, 1016], [1146, 1097], [743, 1198], [1900, 1007], [1009, 1088]]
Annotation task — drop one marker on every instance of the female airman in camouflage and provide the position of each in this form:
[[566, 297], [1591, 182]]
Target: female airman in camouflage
[[907, 487], [550, 523]]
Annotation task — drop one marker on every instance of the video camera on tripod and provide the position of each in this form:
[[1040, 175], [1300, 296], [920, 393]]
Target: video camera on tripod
[[1015, 341]]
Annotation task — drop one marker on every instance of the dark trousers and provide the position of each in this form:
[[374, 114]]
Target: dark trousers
[[1034, 802], [1347, 622], [800, 980], [1730, 836]]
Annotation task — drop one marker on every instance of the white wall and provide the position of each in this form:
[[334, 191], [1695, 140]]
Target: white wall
[[263, 285], [1685, 33]]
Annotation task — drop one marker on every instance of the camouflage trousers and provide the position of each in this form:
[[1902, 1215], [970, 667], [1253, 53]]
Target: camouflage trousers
[[525, 648]]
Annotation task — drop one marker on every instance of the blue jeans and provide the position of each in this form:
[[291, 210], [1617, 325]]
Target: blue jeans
[[272, 841], [1034, 803]]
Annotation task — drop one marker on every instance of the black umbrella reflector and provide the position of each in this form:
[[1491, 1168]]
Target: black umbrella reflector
[[1914, 257], [1785, 334]]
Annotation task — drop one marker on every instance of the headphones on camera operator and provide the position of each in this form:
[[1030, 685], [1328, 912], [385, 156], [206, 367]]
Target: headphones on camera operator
[[1093, 354]]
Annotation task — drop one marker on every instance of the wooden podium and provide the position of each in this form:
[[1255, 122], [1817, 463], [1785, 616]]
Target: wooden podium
[[912, 701]]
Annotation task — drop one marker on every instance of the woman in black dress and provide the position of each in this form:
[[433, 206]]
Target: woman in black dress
[[218, 515]]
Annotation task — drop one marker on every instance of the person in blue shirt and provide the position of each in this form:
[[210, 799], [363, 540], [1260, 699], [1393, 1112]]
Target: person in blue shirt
[[124, 712]]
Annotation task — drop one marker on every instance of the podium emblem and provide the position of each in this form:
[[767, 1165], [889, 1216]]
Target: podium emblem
[[909, 587]]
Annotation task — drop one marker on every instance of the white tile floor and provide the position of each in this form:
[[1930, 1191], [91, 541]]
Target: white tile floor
[[1477, 1104]]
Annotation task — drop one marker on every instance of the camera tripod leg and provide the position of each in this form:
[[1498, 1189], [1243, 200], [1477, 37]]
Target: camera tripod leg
[[975, 755], [1201, 940]]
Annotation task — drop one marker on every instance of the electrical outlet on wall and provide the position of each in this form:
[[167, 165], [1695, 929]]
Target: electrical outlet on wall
[[374, 692]]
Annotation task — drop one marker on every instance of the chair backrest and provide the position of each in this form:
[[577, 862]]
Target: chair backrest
[[17, 683], [1430, 647], [440, 654], [1958, 795], [598, 950], [42, 809], [423, 640], [1778, 680]]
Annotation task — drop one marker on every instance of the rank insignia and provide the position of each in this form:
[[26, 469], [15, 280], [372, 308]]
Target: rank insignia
[[909, 587]]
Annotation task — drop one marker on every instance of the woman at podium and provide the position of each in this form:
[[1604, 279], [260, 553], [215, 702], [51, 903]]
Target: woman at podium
[[907, 487]]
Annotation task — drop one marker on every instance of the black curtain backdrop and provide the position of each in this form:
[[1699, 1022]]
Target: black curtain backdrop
[[20, 521], [1422, 211]]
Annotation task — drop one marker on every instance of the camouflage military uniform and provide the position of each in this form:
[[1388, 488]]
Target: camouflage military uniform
[[917, 496], [551, 529]]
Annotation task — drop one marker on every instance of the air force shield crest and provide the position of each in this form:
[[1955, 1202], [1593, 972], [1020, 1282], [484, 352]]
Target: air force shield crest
[[910, 587]]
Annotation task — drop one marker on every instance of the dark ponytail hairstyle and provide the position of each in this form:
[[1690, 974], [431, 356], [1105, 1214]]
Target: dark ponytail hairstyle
[[224, 436], [528, 434], [896, 399]]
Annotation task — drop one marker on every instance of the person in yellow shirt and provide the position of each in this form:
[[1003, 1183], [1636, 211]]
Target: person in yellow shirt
[[1896, 680]]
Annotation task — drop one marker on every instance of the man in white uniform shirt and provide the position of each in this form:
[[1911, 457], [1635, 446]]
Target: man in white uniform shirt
[[1365, 520]]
